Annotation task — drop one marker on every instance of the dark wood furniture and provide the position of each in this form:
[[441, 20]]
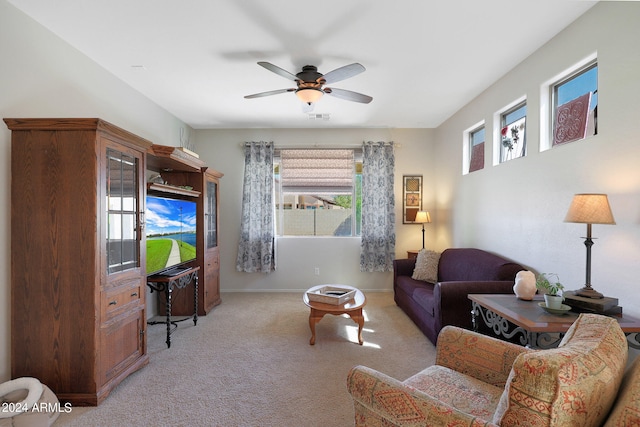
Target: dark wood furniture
[[210, 294], [166, 283], [529, 324], [78, 312], [413, 254], [179, 169]]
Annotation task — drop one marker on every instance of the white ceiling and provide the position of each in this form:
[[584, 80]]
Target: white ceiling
[[425, 59]]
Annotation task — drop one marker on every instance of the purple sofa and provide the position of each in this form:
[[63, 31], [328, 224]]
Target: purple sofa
[[461, 271]]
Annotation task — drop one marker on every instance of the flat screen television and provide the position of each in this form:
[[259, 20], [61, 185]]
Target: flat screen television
[[170, 232]]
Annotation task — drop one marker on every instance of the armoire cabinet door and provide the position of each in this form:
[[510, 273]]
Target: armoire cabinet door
[[212, 251], [121, 343], [211, 215], [123, 207]]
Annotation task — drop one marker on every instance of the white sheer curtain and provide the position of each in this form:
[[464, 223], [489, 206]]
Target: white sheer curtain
[[256, 249], [378, 243]]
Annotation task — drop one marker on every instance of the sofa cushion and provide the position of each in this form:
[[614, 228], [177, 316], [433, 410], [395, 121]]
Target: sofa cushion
[[426, 266], [424, 297], [458, 390], [462, 264], [574, 384], [408, 285], [626, 410]]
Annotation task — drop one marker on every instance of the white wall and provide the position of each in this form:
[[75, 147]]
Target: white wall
[[337, 258], [517, 208], [42, 76]]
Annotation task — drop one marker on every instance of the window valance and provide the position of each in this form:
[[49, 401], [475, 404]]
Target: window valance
[[317, 170]]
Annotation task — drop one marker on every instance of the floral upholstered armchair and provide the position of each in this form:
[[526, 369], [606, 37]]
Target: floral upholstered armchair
[[481, 381]]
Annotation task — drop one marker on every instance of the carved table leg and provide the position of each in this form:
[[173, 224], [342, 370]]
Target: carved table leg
[[168, 291], [357, 317], [314, 317], [195, 297], [474, 315]]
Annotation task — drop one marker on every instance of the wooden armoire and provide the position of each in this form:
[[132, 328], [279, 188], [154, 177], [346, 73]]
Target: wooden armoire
[[78, 285], [180, 170]]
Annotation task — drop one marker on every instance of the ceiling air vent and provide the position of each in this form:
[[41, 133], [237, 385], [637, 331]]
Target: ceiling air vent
[[324, 116]]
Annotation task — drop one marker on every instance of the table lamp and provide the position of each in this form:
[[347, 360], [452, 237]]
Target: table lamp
[[589, 209], [422, 217]]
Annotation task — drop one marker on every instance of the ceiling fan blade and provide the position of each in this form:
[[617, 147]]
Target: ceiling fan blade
[[271, 92], [279, 71], [343, 73], [348, 95]]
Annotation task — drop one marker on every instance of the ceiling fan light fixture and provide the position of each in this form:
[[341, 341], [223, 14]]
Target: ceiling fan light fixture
[[309, 95]]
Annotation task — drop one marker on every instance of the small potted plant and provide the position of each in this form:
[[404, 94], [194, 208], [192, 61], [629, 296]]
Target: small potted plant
[[550, 284]]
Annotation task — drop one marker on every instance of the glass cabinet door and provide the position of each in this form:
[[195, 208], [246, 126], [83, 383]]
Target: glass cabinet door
[[212, 214], [122, 208]]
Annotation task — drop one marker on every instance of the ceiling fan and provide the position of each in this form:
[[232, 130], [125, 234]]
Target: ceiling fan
[[310, 83]]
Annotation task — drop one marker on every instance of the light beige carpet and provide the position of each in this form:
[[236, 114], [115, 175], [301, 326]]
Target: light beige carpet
[[249, 363]]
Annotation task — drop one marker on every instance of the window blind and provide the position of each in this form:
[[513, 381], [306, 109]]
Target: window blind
[[317, 170]]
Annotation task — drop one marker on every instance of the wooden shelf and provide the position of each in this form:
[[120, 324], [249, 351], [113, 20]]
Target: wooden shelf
[[164, 158], [162, 188]]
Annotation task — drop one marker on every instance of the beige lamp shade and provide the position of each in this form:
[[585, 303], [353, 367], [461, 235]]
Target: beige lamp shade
[[590, 209], [422, 217]]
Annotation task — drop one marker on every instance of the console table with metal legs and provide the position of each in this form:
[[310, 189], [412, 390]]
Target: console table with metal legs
[[526, 323], [166, 283]]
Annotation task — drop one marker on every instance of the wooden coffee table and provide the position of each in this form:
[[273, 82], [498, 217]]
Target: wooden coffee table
[[352, 308]]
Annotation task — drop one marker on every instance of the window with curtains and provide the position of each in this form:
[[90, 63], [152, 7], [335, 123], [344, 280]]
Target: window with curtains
[[318, 192]]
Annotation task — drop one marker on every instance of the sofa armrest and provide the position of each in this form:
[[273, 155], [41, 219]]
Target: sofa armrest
[[452, 303], [376, 395], [403, 267], [482, 357]]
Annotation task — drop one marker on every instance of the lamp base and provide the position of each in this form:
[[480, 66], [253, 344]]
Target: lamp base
[[606, 305], [588, 292]]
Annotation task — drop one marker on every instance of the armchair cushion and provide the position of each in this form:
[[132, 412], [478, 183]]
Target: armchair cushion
[[467, 375], [382, 401], [460, 391]]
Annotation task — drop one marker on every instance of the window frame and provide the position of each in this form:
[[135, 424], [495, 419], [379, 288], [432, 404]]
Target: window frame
[[548, 99], [555, 96], [500, 120], [468, 142]]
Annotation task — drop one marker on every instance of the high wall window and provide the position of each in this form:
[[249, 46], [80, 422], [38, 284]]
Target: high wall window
[[575, 106], [318, 192], [476, 148], [512, 133]]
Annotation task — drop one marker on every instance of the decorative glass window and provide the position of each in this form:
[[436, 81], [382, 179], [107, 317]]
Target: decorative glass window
[[123, 239], [318, 192], [476, 149], [575, 106], [512, 133]]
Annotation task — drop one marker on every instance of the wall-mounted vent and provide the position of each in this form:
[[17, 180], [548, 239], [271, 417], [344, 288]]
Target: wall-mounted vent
[[325, 116]]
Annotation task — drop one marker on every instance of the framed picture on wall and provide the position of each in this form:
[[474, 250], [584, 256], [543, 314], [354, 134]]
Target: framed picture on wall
[[411, 197]]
